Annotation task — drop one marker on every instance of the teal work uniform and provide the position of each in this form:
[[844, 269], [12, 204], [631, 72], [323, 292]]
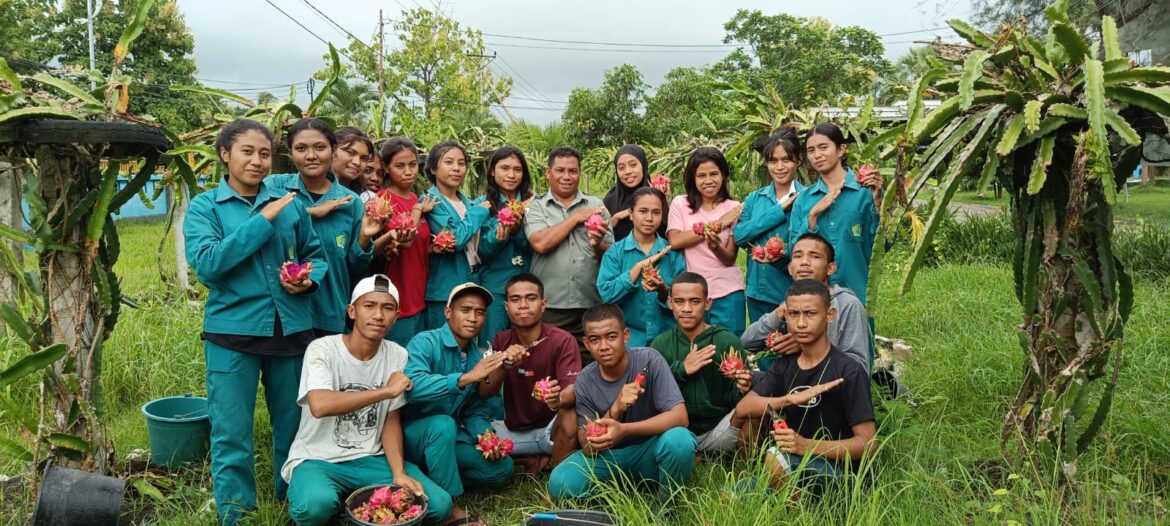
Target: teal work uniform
[[338, 232], [646, 315], [450, 268], [500, 261], [442, 420], [849, 224], [762, 219], [237, 255]]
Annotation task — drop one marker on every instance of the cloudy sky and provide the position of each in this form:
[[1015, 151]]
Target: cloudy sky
[[248, 45]]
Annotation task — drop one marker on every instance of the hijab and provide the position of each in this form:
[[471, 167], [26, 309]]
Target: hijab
[[621, 197]]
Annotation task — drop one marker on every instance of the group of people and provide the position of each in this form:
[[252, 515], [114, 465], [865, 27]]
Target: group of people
[[404, 339]]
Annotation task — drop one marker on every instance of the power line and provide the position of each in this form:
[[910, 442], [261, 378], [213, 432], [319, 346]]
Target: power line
[[241, 82], [611, 50], [338, 26], [675, 45], [310, 31]]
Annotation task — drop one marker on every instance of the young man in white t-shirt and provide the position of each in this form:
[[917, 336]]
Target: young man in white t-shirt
[[350, 436]]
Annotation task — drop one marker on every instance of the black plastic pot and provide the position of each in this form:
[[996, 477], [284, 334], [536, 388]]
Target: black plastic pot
[[68, 497]]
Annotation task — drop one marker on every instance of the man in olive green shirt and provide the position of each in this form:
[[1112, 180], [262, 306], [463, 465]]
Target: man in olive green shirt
[[567, 253], [695, 350]]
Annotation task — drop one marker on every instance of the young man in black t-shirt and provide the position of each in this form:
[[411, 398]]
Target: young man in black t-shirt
[[822, 396]]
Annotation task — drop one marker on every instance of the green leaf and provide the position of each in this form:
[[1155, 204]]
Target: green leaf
[[145, 488], [1109, 38], [1011, 134], [1095, 100], [109, 180], [1047, 126], [216, 93], [69, 441], [132, 31], [16, 323], [1150, 75], [67, 88], [1123, 129], [1155, 100], [9, 76], [32, 363], [972, 71], [946, 190], [137, 183], [15, 234], [970, 34], [33, 112], [990, 168], [1072, 42], [1032, 115], [334, 74], [1039, 171], [914, 105], [14, 450], [1067, 110]]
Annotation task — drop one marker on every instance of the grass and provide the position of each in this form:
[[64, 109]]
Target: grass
[[939, 462], [1149, 203]]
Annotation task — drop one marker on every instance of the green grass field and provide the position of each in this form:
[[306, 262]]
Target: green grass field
[[939, 462], [1145, 203]]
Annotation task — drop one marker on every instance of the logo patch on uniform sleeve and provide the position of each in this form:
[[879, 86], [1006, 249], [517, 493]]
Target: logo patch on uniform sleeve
[[340, 240], [292, 254], [857, 230]]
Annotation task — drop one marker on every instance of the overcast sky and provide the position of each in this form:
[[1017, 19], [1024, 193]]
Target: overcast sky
[[248, 45]]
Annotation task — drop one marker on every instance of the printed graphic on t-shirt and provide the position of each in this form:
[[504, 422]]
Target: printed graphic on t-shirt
[[816, 400], [356, 429]]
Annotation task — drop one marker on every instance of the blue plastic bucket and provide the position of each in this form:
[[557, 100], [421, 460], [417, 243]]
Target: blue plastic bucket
[[179, 429]]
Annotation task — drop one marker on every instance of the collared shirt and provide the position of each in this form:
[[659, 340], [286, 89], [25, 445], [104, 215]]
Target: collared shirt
[[435, 365], [569, 272], [646, 316], [237, 255], [849, 224], [502, 259], [452, 268], [338, 232], [762, 219]]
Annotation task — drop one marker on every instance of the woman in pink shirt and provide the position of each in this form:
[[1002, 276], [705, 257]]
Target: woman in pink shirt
[[700, 226]]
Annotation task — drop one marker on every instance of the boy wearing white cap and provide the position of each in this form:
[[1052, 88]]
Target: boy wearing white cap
[[446, 413], [350, 435]]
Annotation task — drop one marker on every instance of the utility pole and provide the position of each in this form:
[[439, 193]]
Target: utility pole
[[381, 55], [89, 20]]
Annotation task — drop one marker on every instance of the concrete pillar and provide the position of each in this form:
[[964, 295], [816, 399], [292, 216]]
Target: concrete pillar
[[10, 216]]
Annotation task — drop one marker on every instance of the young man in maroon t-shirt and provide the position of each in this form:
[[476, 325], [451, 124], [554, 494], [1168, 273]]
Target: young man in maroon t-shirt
[[541, 422]]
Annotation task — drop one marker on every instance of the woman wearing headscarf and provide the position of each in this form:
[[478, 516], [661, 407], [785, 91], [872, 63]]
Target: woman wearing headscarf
[[633, 172]]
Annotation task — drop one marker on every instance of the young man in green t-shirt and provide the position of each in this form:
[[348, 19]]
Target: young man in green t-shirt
[[695, 351]]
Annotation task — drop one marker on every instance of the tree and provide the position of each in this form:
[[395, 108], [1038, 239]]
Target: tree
[[691, 88], [28, 26], [1059, 123], [349, 103], [897, 83], [162, 55], [437, 68], [608, 115], [807, 60], [991, 13]]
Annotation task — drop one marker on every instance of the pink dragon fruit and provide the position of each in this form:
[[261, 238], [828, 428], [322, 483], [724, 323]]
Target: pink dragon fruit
[[410, 513], [773, 339], [541, 389], [701, 228], [388, 505], [292, 273], [732, 362], [402, 222], [759, 254], [650, 274], [595, 223], [380, 206], [774, 248], [507, 217], [489, 443], [444, 241], [865, 171], [661, 182], [594, 429]]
